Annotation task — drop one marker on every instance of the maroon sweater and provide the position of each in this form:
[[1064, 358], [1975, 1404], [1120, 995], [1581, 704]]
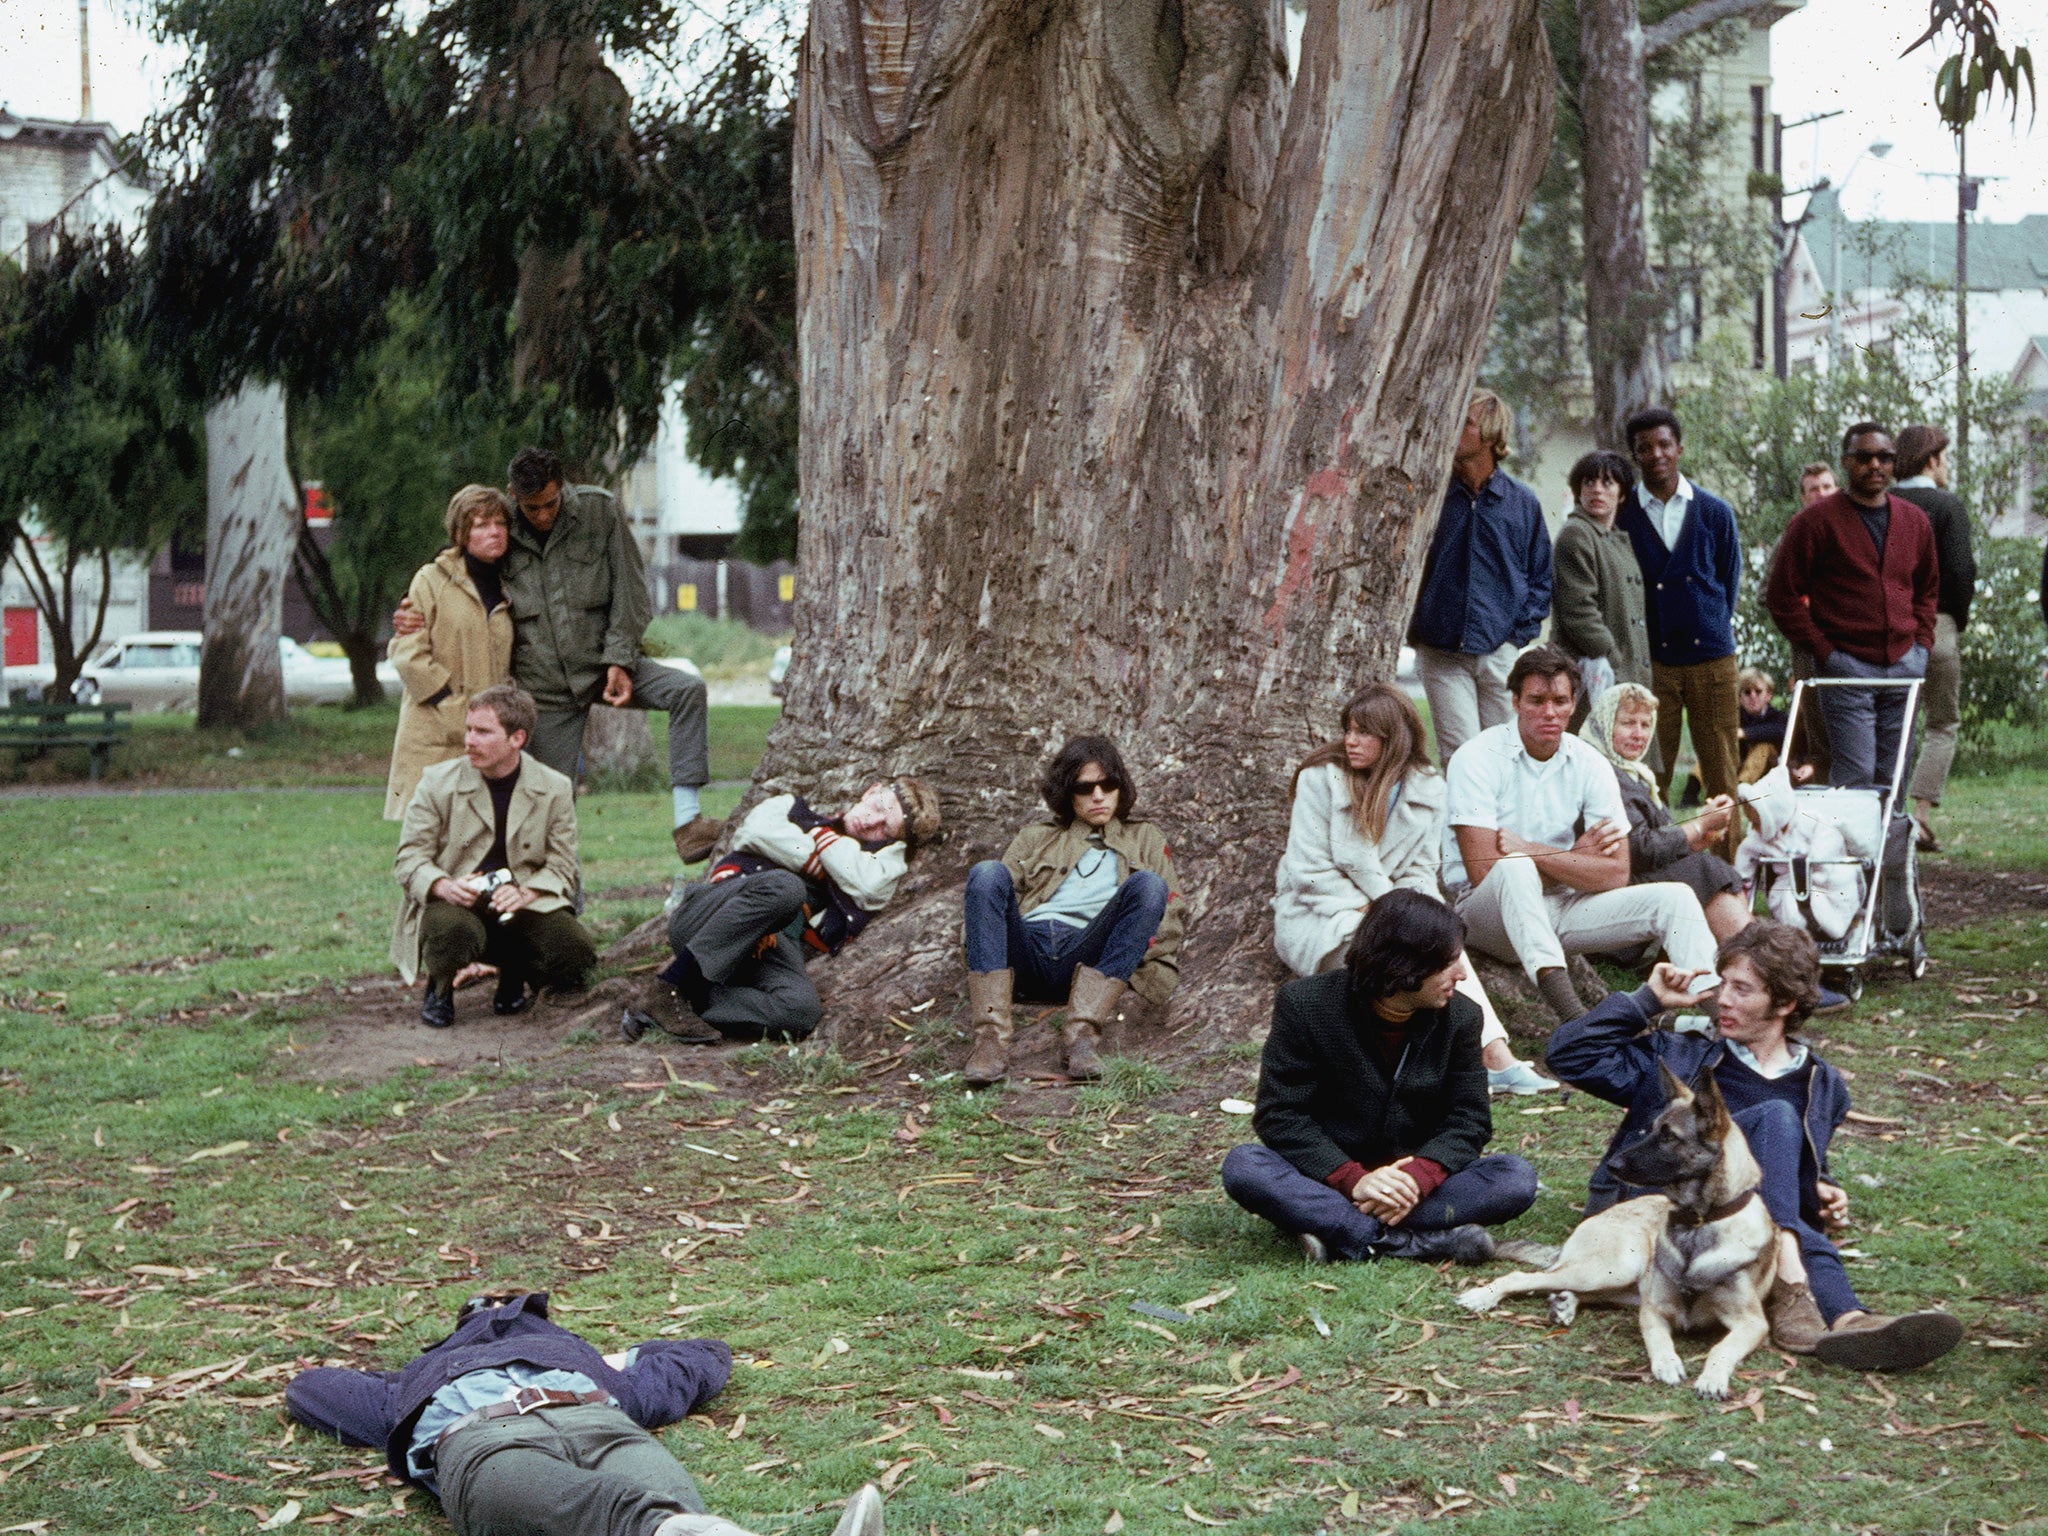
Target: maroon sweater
[[1827, 594]]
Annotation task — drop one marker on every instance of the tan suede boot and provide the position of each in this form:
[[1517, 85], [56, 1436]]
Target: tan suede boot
[[988, 1013], [1091, 1007], [1796, 1323], [695, 838]]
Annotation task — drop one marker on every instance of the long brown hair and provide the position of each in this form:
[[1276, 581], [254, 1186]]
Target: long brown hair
[[1382, 710]]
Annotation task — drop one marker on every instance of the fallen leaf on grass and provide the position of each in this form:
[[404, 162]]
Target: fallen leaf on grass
[[739, 1427], [894, 1475], [33, 1527], [1049, 1432], [1507, 1482], [1201, 1303], [832, 1347], [287, 1512], [225, 1149], [137, 1454], [1199, 1518], [1114, 1523]]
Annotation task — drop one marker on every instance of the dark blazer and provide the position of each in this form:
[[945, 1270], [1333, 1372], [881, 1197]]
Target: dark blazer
[[1487, 578], [1611, 1052], [1827, 593], [667, 1381], [1689, 592], [1953, 550], [1324, 1099]]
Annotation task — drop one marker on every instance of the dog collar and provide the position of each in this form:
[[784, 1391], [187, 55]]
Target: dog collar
[[1722, 1212]]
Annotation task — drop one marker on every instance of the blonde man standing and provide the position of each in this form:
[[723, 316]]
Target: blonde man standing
[[1485, 586]]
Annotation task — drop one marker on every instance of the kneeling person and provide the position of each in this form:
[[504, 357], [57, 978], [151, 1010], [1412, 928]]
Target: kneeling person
[[1076, 909], [1788, 1103], [487, 859], [1372, 1104], [795, 882]]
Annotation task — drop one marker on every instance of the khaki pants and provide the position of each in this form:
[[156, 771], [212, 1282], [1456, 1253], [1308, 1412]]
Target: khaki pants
[[1706, 693], [588, 1471], [1510, 916], [1941, 712], [1466, 693]]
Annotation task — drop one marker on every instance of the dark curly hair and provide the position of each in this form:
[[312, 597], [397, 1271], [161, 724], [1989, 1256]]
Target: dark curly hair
[[1058, 784], [1786, 961], [1406, 938], [533, 470]]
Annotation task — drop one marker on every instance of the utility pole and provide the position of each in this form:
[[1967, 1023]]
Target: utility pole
[[1787, 235], [1966, 202], [84, 67]]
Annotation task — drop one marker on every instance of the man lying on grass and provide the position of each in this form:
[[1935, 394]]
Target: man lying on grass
[[1373, 1105], [487, 861], [1787, 1102], [517, 1425], [795, 883]]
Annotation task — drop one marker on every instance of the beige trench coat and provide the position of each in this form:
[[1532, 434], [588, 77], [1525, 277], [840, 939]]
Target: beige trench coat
[[449, 827], [459, 649]]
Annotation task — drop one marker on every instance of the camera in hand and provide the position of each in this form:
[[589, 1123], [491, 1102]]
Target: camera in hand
[[483, 882]]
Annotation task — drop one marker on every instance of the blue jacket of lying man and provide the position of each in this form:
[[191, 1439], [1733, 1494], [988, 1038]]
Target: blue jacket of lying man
[[665, 1380]]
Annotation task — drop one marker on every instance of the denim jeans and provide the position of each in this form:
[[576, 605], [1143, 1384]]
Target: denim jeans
[[1488, 1191], [1778, 1142], [1864, 724], [1045, 955]]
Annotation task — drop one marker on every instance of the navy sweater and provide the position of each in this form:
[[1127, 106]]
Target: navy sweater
[[1689, 592], [666, 1382]]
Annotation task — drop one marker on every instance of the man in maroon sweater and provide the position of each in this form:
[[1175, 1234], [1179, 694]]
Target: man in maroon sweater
[[1855, 583]]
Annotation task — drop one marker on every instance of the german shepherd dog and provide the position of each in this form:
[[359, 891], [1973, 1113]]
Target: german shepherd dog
[[1705, 1251]]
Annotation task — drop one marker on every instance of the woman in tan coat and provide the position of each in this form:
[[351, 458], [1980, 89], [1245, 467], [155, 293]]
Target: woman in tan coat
[[463, 647]]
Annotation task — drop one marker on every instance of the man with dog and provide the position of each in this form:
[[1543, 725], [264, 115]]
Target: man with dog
[[1373, 1109], [1787, 1102]]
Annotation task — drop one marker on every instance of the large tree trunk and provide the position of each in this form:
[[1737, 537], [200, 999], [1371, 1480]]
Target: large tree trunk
[[1130, 380], [1624, 310], [617, 743], [252, 527]]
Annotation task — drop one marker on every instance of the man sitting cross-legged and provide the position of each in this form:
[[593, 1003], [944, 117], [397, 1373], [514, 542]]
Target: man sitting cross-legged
[[1373, 1106], [518, 1426], [1538, 858], [795, 882], [1076, 909], [1787, 1102], [487, 859]]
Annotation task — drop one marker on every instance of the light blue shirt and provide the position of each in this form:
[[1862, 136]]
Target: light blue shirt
[[1795, 1058], [474, 1390], [1085, 892]]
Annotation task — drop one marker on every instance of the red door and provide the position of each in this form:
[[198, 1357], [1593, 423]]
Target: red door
[[22, 638]]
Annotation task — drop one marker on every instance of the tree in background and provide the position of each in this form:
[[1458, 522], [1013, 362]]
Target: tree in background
[[1131, 373], [98, 451]]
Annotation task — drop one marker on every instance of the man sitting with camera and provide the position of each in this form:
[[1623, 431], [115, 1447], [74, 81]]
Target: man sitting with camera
[[488, 861]]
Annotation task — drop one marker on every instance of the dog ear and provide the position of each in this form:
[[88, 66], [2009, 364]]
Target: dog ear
[[1675, 1091], [1710, 1109]]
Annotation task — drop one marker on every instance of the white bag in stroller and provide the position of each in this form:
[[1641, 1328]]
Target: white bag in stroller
[[1789, 848]]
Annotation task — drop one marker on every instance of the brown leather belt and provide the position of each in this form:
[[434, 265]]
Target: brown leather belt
[[526, 1400]]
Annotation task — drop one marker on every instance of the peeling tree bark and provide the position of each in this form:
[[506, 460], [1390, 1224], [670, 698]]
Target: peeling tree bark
[[1130, 380], [252, 528]]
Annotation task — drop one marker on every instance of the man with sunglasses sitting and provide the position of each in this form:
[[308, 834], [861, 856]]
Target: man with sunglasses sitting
[[1856, 584], [1076, 909]]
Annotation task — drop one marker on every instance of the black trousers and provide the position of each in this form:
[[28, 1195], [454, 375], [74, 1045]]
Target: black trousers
[[732, 930], [542, 948]]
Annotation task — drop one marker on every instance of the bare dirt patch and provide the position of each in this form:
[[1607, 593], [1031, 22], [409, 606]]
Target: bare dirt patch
[[1957, 895]]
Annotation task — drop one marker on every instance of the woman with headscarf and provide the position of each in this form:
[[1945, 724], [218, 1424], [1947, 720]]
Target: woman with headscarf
[[1368, 818], [1620, 727]]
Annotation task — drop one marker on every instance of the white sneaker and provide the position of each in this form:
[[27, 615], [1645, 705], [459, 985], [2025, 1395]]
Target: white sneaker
[[1519, 1077], [863, 1515]]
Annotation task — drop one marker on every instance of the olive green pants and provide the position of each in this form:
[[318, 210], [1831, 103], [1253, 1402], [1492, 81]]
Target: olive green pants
[[544, 948], [588, 1471]]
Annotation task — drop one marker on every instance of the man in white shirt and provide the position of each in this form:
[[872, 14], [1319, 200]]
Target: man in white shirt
[[1537, 860]]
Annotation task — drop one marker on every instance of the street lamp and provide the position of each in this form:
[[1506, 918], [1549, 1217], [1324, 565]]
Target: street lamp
[[1880, 148]]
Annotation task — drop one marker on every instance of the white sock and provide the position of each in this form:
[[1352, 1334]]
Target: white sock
[[686, 806]]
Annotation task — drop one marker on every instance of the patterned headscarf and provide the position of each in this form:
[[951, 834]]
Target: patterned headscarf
[[1598, 731]]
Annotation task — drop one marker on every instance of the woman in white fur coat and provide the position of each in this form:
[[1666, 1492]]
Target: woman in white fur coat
[[1369, 816]]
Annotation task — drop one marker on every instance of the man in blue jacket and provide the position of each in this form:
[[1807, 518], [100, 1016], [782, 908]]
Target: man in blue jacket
[[1691, 555], [1787, 1102], [515, 1424], [1485, 586]]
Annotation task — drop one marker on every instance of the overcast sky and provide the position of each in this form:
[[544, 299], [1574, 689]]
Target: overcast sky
[[1832, 54]]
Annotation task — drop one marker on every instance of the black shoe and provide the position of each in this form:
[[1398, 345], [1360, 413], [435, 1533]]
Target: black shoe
[[511, 996], [684, 974], [437, 1009], [1690, 798], [633, 1024], [1469, 1244]]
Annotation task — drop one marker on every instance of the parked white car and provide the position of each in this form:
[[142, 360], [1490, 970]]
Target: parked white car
[[159, 670]]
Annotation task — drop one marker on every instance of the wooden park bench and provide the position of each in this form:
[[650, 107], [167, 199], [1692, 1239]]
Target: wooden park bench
[[32, 729]]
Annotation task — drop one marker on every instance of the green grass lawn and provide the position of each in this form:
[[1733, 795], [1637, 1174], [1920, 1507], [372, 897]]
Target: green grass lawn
[[924, 1288], [329, 745]]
